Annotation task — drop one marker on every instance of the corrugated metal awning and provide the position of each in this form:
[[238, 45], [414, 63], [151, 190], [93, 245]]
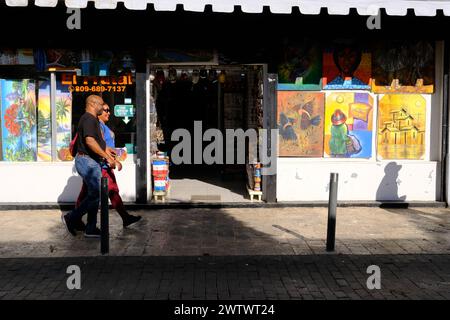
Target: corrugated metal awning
[[335, 7]]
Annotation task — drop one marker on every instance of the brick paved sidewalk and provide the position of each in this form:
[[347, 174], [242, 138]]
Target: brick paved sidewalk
[[223, 232], [231, 254], [236, 277]]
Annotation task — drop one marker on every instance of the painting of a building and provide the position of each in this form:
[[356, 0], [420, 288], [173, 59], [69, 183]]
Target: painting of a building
[[401, 127]]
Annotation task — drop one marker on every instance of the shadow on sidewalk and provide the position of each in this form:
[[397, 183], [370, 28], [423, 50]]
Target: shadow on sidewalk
[[222, 232], [436, 224]]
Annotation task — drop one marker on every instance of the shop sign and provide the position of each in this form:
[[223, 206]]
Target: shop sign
[[96, 83], [124, 111]]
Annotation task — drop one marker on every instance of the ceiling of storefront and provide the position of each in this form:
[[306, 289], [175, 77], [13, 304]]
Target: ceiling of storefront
[[335, 7]]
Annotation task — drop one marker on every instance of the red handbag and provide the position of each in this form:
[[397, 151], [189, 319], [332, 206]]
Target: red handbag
[[73, 147]]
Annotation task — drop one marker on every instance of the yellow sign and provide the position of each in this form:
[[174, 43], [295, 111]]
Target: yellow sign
[[96, 83]]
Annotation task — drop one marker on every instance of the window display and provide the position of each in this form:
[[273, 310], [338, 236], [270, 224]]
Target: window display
[[399, 73]]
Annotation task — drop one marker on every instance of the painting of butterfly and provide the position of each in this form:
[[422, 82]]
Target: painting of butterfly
[[300, 123]]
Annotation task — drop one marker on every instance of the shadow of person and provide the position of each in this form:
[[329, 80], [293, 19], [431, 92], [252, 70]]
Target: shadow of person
[[71, 191], [388, 188]]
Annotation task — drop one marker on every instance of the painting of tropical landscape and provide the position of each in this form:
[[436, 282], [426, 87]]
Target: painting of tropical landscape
[[18, 120], [44, 130], [63, 120], [63, 102]]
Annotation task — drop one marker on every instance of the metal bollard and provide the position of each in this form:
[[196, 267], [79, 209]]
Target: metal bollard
[[104, 217], [332, 203]]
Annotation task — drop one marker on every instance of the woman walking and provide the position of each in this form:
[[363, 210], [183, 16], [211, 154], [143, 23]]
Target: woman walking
[[108, 172]]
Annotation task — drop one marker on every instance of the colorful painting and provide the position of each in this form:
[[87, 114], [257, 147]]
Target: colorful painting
[[63, 102], [300, 123], [403, 67], [18, 111], [402, 126], [348, 125], [44, 127], [346, 67], [300, 67]]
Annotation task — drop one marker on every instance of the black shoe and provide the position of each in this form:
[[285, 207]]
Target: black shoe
[[130, 220], [79, 226], [70, 228], [96, 233]]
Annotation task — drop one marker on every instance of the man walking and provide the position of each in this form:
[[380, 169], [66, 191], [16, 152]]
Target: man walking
[[108, 172], [91, 152]]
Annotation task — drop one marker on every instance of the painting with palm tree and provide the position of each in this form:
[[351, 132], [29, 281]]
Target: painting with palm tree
[[64, 121], [63, 104], [18, 120], [44, 128]]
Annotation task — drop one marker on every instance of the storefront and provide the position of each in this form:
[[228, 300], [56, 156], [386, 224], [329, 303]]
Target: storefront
[[368, 104], [40, 112]]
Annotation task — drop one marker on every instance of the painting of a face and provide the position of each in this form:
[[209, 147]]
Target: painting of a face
[[347, 60], [346, 67]]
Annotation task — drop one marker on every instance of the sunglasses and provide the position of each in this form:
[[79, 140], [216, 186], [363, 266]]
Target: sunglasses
[[107, 110]]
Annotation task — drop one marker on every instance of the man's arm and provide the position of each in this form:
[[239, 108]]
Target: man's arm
[[95, 147]]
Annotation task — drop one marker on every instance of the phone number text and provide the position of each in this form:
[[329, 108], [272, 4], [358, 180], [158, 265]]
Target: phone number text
[[97, 88]]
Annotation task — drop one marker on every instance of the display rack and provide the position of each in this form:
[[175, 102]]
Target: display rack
[[160, 177]]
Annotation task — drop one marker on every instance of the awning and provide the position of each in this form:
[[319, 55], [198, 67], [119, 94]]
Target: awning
[[335, 7]]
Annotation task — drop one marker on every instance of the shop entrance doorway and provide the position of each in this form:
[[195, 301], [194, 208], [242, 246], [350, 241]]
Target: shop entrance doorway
[[195, 99]]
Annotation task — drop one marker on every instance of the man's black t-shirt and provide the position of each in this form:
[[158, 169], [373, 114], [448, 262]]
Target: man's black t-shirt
[[89, 126]]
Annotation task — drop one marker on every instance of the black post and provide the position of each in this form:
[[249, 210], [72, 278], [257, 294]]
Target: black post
[[444, 149], [104, 217], [332, 203], [269, 182], [141, 127], [445, 115]]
